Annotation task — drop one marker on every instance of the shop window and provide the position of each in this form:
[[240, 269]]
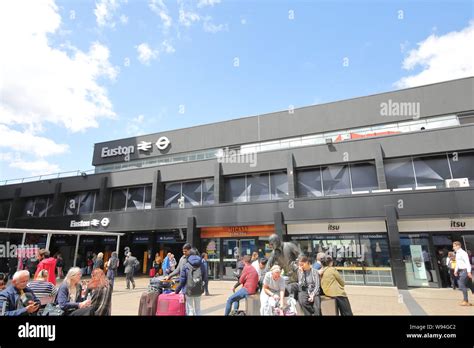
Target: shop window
[[336, 180], [258, 187], [131, 198], [309, 183], [364, 177], [208, 191], [80, 203], [119, 199], [431, 171], [462, 165], [399, 173], [279, 185], [235, 189], [38, 206], [191, 192]]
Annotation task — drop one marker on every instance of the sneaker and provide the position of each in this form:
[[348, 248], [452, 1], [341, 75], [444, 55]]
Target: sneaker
[[133, 286], [465, 304], [207, 294]]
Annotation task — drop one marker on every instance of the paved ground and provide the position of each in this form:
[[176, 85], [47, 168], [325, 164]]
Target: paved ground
[[365, 300]]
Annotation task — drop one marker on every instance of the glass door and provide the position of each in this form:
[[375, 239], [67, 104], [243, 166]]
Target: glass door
[[418, 259], [230, 253]]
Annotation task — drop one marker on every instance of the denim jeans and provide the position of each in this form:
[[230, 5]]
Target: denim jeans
[[235, 298], [462, 283]]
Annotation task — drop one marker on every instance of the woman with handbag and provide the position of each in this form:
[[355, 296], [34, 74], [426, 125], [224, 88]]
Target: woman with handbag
[[69, 296]]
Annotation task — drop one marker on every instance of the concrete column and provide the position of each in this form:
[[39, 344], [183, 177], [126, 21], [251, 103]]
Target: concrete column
[[379, 167], [15, 209], [103, 198], [157, 191], [219, 194], [398, 266], [291, 176], [280, 227], [58, 201], [192, 233]]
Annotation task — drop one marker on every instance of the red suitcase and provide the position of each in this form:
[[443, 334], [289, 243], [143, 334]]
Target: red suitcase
[[171, 304]]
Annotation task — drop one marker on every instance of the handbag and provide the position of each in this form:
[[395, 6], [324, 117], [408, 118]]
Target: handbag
[[51, 310]]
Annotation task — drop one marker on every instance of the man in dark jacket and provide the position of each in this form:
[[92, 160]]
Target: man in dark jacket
[[193, 276], [130, 264], [17, 299]]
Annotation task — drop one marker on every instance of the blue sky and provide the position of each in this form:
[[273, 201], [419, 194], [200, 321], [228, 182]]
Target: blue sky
[[288, 52]]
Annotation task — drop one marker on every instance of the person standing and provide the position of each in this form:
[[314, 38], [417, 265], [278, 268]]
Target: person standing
[[166, 264], [451, 264], [308, 288], [206, 265], [156, 265], [193, 276], [59, 265], [99, 261], [332, 285], [47, 263], [131, 263], [112, 266], [249, 281], [182, 261], [463, 271]]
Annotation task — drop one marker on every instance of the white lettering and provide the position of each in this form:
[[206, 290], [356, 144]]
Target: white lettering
[[37, 331], [118, 151]]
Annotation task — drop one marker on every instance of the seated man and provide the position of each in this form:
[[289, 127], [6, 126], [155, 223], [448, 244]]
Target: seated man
[[249, 281], [260, 266], [308, 287], [17, 299]]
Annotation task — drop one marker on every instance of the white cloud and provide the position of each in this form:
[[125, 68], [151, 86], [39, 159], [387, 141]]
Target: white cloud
[[42, 84], [158, 7], [145, 53], [442, 58], [136, 126], [203, 3], [104, 12], [123, 19], [210, 27], [167, 47], [38, 167], [187, 18]]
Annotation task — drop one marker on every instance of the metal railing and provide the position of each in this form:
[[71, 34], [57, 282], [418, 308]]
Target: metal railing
[[47, 177]]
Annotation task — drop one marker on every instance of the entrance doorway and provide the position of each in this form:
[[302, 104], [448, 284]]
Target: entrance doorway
[[233, 249]]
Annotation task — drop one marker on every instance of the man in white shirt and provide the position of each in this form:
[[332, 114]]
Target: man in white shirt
[[463, 270]]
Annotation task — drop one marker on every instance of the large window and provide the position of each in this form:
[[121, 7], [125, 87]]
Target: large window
[[256, 187], [399, 173], [462, 165], [195, 193], [431, 171], [336, 180], [131, 198], [309, 183], [38, 206], [364, 176], [80, 203]]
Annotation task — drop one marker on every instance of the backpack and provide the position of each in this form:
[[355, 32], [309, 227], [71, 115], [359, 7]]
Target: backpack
[[136, 265], [194, 281]]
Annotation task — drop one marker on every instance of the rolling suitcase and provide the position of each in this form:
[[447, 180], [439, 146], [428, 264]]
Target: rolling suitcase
[[171, 304], [148, 302]]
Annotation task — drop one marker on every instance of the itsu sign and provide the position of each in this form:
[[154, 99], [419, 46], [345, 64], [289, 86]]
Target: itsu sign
[[104, 222]]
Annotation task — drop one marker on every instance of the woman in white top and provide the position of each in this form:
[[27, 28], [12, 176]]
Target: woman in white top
[[273, 290]]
